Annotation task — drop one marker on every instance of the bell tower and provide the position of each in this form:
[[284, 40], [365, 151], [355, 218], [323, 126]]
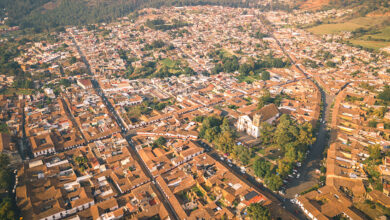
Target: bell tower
[[257, 119]]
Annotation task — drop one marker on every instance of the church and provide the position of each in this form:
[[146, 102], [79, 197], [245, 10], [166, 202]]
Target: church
[[251, 123]]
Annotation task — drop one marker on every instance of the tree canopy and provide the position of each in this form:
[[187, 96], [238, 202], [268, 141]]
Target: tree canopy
[[292, 139], [258, 212], [7, 205]]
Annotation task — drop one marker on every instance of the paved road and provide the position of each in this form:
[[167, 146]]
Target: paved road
[[308, 177]]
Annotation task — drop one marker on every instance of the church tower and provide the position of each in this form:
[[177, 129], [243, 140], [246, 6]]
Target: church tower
[[257, 119]]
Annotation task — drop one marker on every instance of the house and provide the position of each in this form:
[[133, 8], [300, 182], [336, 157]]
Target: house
[[85, 83], [251, 123], [327, 203]]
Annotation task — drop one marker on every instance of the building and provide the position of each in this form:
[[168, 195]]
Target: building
[[251, 123], [327, 203], [85, 83]]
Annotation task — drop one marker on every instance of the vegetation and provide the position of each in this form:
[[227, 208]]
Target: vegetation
[[258, 212], [145, 108], [385, 94], [4, 128], [266, 99], [8, 67], [371, 164], [82, 162], [160, 68], [217, 130], [38, 16], [249, 71], [161, 141], [293, 140], [310, 63], [160, 24], [8, 209], [367, 32]]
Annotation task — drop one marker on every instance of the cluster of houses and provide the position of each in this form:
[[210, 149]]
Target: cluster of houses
[[82, 165], [99, 181], [352, 78]]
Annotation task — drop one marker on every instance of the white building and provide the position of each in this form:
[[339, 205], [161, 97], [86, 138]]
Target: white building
[[251, 123]]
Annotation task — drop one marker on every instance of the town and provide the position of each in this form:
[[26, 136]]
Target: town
[[197, 112]]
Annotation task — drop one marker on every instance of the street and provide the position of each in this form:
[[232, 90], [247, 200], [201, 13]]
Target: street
[[132, 149]]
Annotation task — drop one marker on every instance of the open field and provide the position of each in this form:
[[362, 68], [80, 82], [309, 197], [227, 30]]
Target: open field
[[11, 91], [314, 4], [370, 44], [168, 62], [350, 25], [334, 28], [354, 24], [383, 34]]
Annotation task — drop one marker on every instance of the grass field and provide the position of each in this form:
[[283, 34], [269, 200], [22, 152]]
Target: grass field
[[11, 91], [334, 28], [168, 62], [370, 44], [173, 65], [353, 24], [383, 34], [350, 25], [369, 21]]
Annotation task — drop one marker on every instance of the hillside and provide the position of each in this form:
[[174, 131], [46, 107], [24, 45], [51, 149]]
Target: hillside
[[46, 14], [368, 21], [362, 7]]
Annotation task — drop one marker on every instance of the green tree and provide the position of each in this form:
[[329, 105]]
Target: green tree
[[264, 100], [262, 168], [266, 133], [258, 212], [160, 141], [265, 75], [274, 182], [385, 94], [7, 209], [5, 172], [72, 60], [375, 153], [330, 64]]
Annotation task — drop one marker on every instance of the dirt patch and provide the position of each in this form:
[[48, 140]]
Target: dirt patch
[[313, 5], [51, 5]]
